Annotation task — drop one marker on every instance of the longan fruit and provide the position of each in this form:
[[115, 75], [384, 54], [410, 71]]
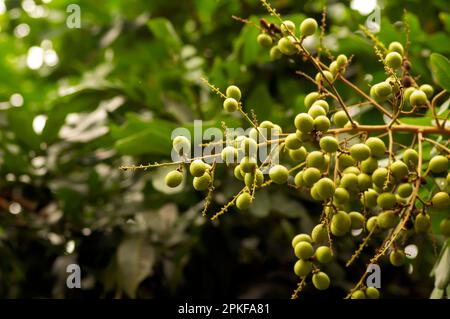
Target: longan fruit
[[321, 280], [243, 201], [233, 92], [304, 250], [359, 152], [202, 183], [173, 179], [377, 147], [308, 27], [323, 254], [302, 268]]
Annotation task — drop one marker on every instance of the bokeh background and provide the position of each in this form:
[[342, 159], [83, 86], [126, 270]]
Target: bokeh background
[[75, 104]]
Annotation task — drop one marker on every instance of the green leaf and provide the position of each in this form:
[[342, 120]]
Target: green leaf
[[135, 259], [440, 67], [21, 123], [260, 101], [164, 31]]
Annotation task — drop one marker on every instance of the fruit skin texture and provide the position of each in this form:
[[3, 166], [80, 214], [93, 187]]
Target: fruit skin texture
[[275, 53], [304, 122], [315, 159], [180, 143], [316, 110], [279, 174], [393, 60], [386, 200], [372, 222], [360, 152], [233, 92], [418, 97], [174, 178], [372, 293], [248, 164], [300, 237], [202, 183], [422, 223], [244, 201], [264, 40], [230, 105], [357, 220], [304, 250], [298, 155], [292, 142], [302, 268], [341, 60], [250, 177], [427, 89], [321, 280], [229, 155], [379, 176], [308, 27], [444, 227], [329, 144], [310, 99], [341, 196], [321, 123], [377, 147], [438, 164], [404, 190], [197, 168], [411, 158], [287, 27], [397, 258], [358, 294], [399, 170], [310, 176], [325, 188], [387, 219], [349, 182], [369, 165], [319, 234], [323, 254], [441, 200], [340, 223], [287, 46], [369, 199], [396, 47], [340, 118], [382, 89]]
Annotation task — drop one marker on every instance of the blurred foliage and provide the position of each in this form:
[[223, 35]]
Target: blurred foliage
[[120, 85]]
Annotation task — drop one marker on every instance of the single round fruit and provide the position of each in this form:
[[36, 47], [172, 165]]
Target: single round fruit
[[287, 27], [410, 157], [244, 201], [329, 77], [340, 118], [340, 223], [279, 174], [345, 161], [379, 176], [321, 280], [238, 173], [181, 145], [302, 268], [323, 254], [275, 53], [349, 182], [298, 155], [298, 179], [304, 122], [233, 92], [404, 190], [396, 47], [292, 142], [325, 188], [369, 165], [444, 227], [341, 60], [311, 98], [301, 237], [372, 224], [322, 123], [319, 234], [438, 164], [304, 250], [287, 46], [427, 89], [441, 200], [174, 178], [323, 104], [377, 147], [316, 110], [393, 60], [249, 147], [364, 182], [386, 200], [382, 89], [422, 223], [310, 176], [369, 198], [397, 258], [351, 170], [360, 152], [341, 196], [418, 97], [315, 159], [202, 183], [387, 219], [249, 178], [372, 293], [264, 40], [407, 93], [357, 220], [248, 164], [399, 170], [197, 168], [304, 137], [308, 27], [229, 155], [334, 68], [358, 294], [230, 105], [329, 144]]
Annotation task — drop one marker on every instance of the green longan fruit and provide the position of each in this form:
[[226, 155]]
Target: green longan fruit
[[238, 173], [233, 92], [302, 268], [441, 200], [358, 294], [249, 147], [319, 234], [382, 89], [308, 27], [323, 104], [444, 227], [250, 177], [357, 220], [349, 182], [393, 60], [238, 141], [329, 77], [329, 144], [396, 47], [197, 168], [340, 118], [292, 142], [341, 60], [304, 122], [377, 147], [173, 179], [304, 137], [298, 155], [264, 40], [315, 159], [418, 97], [372, 224], [202, 183], [298, 179], [404, 190], [325, 188], [438, 164], [287, 27], [304, 250], [407, 93], [364, 182], [310, 176], [323, 254], [275, 53], [301, 237], [311, 98], [422, 223], [369, 199], [399, 170], [448, 179], [352, 170], [321, 280], [229, 155], [359, 152], [410, 157], [341, 196], [345, 161], [379, 176], [181, 143], [321, 123], [314, 194], [369, 165], [427, 89], [316, 110], [397, 258], [287, 45], [279, 174], [230, 105], [340, 223], [248, 164], [386, 200], [387, 219], [372, 293], [334, 68], [244, 201]]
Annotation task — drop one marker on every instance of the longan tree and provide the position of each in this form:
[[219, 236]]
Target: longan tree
[[368, 184]]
